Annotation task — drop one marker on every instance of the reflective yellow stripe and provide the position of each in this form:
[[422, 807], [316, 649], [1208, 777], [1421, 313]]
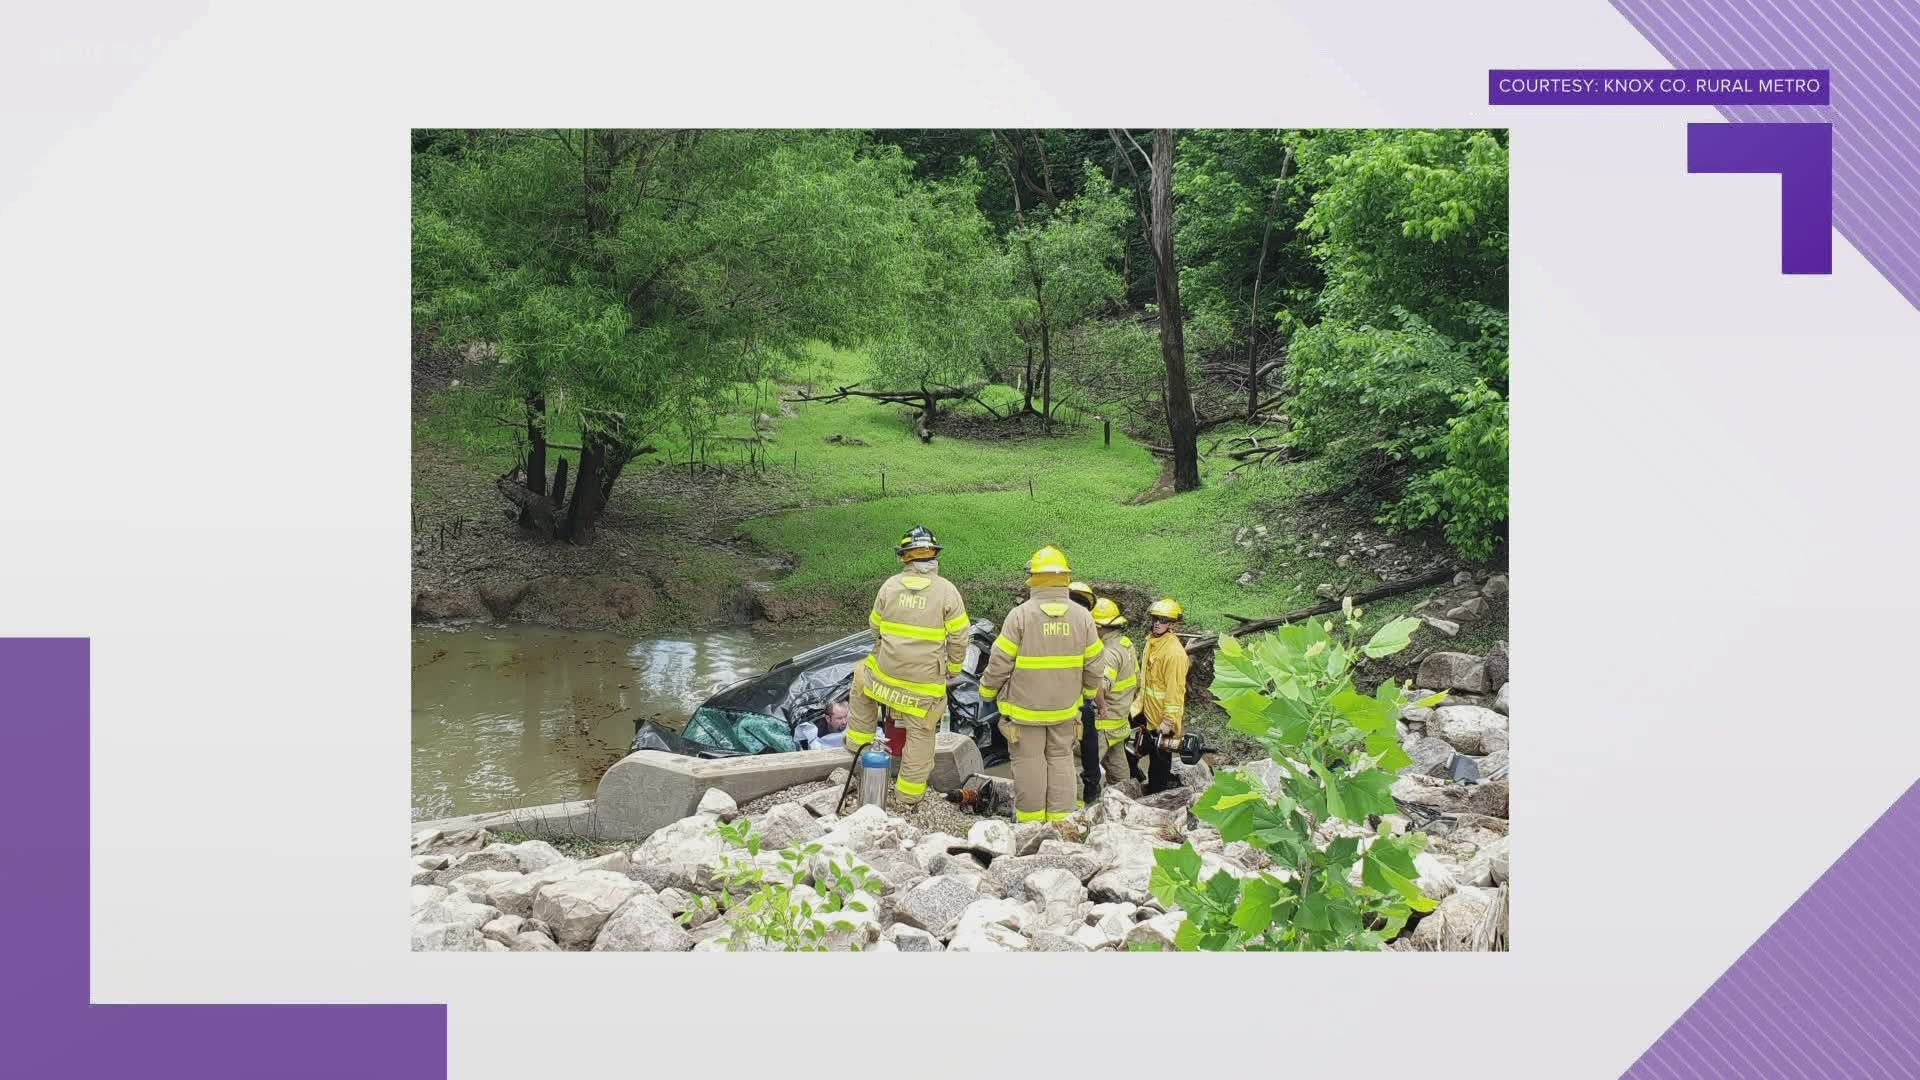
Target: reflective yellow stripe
[[894, 702], [1038, 716], [1116, 741], [914, 581], [953, 667], [917, 633], [915, 790], [1006, 646], [1030, 662], [1110, 673], [988, 693], [858, 738], [1093, 650], [1079, 804], [1029, 815], [1125, 684], [1087, 695], [1060, 815], [958, 622], [924, 689], [1118, 723]]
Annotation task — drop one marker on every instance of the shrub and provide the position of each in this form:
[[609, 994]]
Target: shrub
[[1336, 751], [765, 908]]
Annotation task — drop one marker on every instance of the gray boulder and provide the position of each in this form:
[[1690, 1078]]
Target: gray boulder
[[1028, 836], [1453, 671], [1470, 729], [443, 937], [993, 836], [1053, 887], [1156, 932], [987, 938], [687, 842], [477, 885], [579, 906], [716, 802], [1450, 926], [911, 939], [936, 904], [1495, 586], [642, 925], [532, 941], [1049, 941], [1009, 873], [504, 929], [533, 856], [662, 878], [1431, 757], [515, 896], [784, 825], [492, 857], [455, 911], [1500, 701], [897, 870], [1497, 664]]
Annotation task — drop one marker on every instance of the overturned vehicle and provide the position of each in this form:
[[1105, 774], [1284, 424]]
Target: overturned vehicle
[[779, 710]]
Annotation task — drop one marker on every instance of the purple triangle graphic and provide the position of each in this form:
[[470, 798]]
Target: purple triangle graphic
[[1831, 989], [1872, 49], [47, 1026]]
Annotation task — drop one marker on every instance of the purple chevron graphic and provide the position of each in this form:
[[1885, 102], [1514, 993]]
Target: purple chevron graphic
[[49, 1027], [1831, 989], [1872, 47], [1803, 156]]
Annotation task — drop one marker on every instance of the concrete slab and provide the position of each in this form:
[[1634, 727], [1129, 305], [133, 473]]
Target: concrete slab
[[955, 757], [565, 819], [647, 790]]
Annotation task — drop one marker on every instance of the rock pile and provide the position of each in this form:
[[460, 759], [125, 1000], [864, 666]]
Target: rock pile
[[1080, 887], [1471, 597]]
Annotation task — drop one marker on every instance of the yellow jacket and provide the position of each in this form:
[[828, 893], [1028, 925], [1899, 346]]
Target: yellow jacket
[[1163, 683], [1120, 678], [919, 631], [1046, 660]]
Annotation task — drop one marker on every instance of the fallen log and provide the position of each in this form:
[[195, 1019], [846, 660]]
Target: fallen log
[[1378, 592]]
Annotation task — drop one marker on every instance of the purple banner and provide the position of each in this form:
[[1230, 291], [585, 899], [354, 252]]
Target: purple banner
[[1800, 86]]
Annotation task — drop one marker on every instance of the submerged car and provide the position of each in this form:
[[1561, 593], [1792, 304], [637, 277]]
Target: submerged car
[[761, 715]]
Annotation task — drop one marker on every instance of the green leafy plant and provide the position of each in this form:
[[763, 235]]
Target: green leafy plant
[[763, 904], [1292, 692]]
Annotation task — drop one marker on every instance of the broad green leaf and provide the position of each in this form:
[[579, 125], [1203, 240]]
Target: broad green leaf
[[1370, 792], [1387, 753], [1246, 712], [1391, 638], [1368, 714], [1336, 806], [1255, 912], [1182, 861], [1431, 700]]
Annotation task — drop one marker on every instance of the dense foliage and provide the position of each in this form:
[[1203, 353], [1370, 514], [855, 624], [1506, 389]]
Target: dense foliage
[[1353, 282], [1335, 752]]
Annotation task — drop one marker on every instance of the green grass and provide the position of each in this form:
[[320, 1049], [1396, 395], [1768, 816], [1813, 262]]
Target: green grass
[[974, 496], [833, 522]]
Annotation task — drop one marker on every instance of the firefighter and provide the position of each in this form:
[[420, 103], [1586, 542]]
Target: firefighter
[[919, 639], [1045, 662], [1086, 761], [1119, 679], [1162, 703]]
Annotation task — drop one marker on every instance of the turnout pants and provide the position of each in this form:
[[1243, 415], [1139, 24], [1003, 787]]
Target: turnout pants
[[920, 716], [1043, 755], [1115, 761]]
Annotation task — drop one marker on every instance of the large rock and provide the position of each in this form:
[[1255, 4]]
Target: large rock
[[1431, 757], [824, 803], [784, 825], [661, 878], [646, 791], [438, 838], [1091, 939], [1489, 798], [987, 937], [491, 857], [869, 829], [1500, 704], [934, 844], [1050, 941], [422, 895], [1029, 835], [579, 906], [515, 896], [1053, 887], [1470, 729], [1454, 671], [716, 802], [992, 836], [1498, 665], [1113, 806], [1157, 932], [1492, 766], [936, 904], [455, 911], [1011, 871], [479, 884], [1497, 857], [529, 941], [1450, 926], [642, 925], [690, 841], [443, 937], [533, 856], [504, 929], [911, 939], [898, 871], [955, 757]]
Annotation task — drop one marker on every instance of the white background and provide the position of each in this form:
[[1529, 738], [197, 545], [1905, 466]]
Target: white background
[[203, 237]]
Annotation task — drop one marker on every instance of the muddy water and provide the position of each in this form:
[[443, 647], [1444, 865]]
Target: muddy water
[[508, 716]]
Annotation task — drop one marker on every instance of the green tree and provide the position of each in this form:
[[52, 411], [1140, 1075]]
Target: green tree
[[626, 278], [1334, 752]]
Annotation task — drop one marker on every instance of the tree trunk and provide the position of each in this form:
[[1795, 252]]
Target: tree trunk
[[536, 455], [1026, 384], [584, 511], [1046, 388], [1182, 427], [560, 483]]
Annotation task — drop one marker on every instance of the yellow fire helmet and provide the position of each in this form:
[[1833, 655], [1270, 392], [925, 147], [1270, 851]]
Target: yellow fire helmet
[[1081, 592], [1048, 560], [1107, 613], [1167, 608]]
